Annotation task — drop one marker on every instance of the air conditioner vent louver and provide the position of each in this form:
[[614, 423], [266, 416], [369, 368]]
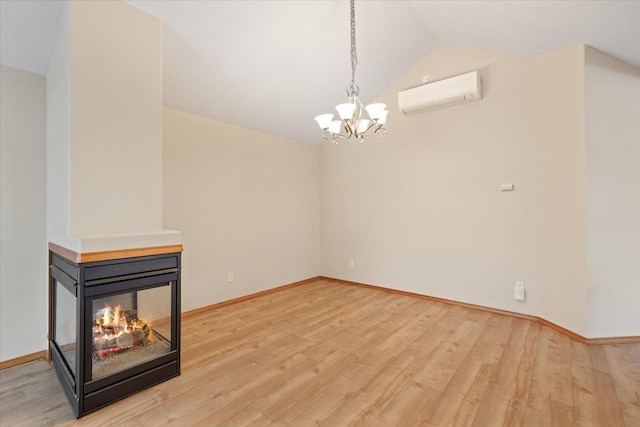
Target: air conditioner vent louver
[[444, 93]]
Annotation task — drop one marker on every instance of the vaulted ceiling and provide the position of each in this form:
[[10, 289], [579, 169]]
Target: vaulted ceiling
[[273, 65]]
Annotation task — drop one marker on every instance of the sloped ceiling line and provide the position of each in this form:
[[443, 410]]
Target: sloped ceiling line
[[273, 65]]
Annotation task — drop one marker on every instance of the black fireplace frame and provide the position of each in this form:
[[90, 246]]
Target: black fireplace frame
[[89, 280]]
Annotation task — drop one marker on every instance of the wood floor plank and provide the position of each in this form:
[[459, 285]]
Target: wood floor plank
[[377, 391], [550, 394], [589, 406], [466, 413], [326, 353], [246, 415], [515, 413], [625, 374], [493, 408], [414, 404], [443, 363], [452, 397]]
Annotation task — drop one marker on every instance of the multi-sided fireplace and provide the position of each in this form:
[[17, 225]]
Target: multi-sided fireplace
[[114, 325]]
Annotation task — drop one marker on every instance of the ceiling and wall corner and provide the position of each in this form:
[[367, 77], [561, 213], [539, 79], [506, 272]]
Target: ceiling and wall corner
[[28, 33], [272, 66]]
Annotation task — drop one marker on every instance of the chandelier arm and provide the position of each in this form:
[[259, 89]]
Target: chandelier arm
[[370, 130], [340, 136], [337, 135], [349, 129], [381, 128], [326, 138]]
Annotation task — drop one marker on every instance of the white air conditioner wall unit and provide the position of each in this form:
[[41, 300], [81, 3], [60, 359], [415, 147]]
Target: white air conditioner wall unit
[[444, 93]]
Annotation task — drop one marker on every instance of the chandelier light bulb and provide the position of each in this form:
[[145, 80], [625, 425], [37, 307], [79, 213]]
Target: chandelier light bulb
[[375, 110], [324, 120], [363, 124], [335, 126], [345, 111], [383, 117]]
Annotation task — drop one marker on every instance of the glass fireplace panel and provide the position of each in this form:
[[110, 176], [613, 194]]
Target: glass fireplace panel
[[66, 326], [130, 328]]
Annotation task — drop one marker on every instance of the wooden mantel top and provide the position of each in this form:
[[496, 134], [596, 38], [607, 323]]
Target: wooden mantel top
[[114, 254]]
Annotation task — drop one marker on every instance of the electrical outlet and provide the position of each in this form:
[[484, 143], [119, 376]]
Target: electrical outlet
[[519, 292], [352, 263], [230, 276]]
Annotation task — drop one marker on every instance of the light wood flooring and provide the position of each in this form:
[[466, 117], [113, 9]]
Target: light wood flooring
[[334, 354]]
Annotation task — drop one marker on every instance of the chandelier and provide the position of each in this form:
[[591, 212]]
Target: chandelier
[[355, 119]]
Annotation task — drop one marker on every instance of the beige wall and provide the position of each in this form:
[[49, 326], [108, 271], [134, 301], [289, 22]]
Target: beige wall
[[612, 138], [420, 210], [246, 202], [23, 249], [105, 141], [116, 119], [561, 177]]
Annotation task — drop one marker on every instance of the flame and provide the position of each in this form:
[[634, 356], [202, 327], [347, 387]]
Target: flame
[[113, 323], [117, 315], [105, 318]]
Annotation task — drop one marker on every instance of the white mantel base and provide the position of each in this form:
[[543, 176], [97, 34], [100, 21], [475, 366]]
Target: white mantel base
[[112, 242]]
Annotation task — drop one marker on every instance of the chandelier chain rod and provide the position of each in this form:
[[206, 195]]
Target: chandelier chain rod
[[353, 88]]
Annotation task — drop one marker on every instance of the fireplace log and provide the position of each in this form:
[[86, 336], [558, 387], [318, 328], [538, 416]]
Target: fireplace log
[[129, 339], [138, 336], [125, 340], [131, 315]]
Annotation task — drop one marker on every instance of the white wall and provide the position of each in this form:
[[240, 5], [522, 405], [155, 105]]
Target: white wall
[[613, 195], [23, 249], [420, 210], [58, 137], [561, 177], [246, 202]]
